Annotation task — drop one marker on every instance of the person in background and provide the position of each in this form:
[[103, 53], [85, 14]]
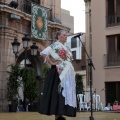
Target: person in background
[[115, 103], [108, 107], [59, 94]]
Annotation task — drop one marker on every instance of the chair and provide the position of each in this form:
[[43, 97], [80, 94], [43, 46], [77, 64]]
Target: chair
[[101, 106], [96, 101], [82, 102]]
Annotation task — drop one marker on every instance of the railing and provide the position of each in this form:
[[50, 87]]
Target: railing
[[112, 20], [25, 5], [112, 59]]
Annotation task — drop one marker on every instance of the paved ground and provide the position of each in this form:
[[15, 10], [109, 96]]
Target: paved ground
[[80, 116]]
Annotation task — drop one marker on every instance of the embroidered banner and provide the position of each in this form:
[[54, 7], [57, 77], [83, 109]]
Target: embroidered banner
[[39, 22]]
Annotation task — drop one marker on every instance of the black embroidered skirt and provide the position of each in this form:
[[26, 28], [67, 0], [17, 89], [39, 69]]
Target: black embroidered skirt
[[53, 103]]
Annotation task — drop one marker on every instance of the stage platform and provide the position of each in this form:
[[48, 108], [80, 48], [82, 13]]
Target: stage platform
[[80, 116]]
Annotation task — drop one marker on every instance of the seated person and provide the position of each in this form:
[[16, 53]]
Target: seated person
[[116, 105], [108, 107], [89, 105], [86, 105]]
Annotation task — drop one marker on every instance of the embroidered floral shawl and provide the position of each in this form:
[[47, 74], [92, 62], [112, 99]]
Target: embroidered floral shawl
[[61, 52]]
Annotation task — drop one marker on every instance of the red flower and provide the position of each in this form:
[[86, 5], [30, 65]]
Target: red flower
[[60, 52], [63, 51], [63, 56]]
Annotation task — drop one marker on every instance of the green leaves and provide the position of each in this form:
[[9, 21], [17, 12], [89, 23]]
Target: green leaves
[[30, 83], [79, 83], [27, 77], [13, 82]]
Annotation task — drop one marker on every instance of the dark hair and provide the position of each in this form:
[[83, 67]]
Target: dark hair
[[59, 33]]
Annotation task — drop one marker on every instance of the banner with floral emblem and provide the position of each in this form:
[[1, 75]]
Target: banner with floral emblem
[[39, 22]]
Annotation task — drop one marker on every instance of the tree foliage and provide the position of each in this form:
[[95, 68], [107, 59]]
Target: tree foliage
[[13, 82], [30, 84], [79, 83], [27, 77]]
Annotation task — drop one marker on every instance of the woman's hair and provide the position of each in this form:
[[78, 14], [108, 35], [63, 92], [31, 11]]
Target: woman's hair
[[59, 33]]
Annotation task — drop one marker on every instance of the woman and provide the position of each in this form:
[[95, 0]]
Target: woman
[[59, 95]]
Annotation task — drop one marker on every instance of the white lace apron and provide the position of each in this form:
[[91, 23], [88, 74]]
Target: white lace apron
[[65, 70]]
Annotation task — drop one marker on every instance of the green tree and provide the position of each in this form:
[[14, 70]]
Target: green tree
[[79, 83], [13, 82], [30, 84]]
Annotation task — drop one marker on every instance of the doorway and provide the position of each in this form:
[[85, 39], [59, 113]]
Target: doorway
[[112, 92]]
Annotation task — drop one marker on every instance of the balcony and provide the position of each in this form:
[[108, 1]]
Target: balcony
[[113, 20], [112, 59], [25, 6]]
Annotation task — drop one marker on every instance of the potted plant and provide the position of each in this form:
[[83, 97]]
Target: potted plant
[[30, 85], [13, 83]]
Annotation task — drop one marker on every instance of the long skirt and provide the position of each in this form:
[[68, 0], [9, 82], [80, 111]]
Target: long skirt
[[53, 102]]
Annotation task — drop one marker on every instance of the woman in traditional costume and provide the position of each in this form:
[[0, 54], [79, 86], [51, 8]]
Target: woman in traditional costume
[[59, 94]]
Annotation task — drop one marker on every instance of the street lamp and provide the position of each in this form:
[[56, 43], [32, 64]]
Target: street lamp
[[34, 49], [25, 41], [15, 45]]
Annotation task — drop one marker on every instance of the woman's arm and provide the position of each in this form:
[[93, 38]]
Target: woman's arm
[[48, 60]]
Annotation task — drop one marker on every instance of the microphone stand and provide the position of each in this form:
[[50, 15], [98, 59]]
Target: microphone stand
[[90, 64]]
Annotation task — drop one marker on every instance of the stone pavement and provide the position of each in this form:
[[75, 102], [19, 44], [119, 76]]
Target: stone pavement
[[80, 116]]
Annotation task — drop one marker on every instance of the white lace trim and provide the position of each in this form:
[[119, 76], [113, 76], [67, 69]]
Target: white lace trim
[[69, 88]]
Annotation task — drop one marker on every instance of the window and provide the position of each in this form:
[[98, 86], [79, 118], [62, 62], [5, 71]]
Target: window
[[114, 44], [111, 44], [27, 5], [74, 55], [112, 91], [113, 12], [73, 42], [83, 67], [113, 51]]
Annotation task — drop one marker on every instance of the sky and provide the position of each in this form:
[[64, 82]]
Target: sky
[[77, 9]]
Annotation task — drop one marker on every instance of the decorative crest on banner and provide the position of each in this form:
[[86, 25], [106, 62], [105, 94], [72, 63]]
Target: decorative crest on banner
[[39, 22]]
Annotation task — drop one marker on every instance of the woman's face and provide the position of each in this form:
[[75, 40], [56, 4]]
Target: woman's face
[[62, 37]]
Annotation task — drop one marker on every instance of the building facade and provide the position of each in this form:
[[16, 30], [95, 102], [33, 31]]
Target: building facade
[[105, 48], [17, 27]]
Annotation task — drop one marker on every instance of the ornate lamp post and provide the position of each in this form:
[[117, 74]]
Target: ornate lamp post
[[15, 46], [34, 50], [25, 41]]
